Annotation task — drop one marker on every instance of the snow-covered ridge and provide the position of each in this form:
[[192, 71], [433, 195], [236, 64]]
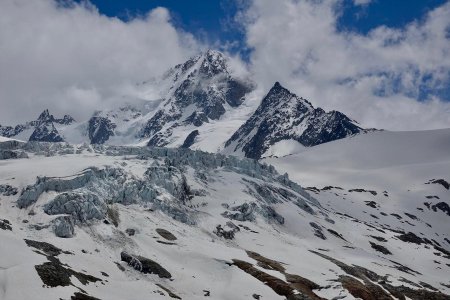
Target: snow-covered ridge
[[127, 222], [283, 116], [204, 103]]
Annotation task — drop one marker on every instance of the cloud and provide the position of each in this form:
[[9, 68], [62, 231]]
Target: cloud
[[392, 78], [70, 58]]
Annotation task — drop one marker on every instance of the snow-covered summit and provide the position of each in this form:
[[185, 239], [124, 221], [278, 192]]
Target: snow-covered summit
[[43, 129], [283, 116], [201, 90]]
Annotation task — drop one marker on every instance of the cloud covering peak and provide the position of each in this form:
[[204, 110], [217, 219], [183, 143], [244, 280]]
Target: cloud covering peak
[[394, 78], [69, 57]]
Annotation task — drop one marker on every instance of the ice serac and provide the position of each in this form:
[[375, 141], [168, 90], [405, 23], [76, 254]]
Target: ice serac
[[283, 115], [201, 90]]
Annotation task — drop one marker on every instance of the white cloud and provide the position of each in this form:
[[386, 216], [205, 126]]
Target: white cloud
[[70, 58], [377, 78]]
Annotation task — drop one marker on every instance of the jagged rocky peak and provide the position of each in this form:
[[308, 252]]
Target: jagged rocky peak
[[46, 132], [284, 117], [206, 64], [201, 89], [45, 118]]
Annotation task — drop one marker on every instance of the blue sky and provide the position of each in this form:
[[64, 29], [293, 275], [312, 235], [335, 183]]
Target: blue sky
[[213, 19]]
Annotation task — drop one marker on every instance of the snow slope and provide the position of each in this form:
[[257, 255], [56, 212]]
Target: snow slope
[[284, 248]]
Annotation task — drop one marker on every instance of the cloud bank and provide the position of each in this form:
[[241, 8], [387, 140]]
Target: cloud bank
[[389, 78], [69, 58]]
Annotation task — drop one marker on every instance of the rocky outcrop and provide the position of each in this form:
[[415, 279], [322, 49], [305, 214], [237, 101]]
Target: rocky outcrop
[[190, 139], [205, 86], [283, 115], [44, 128], [145, 265], [100, 129]]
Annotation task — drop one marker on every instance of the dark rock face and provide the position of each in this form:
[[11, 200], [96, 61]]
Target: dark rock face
[[442, 182], [5, 225], [203, 84], [100, 129], [81, 296], [190, 139], [9, 131], [410, 237], [44, 128], [442, 206], [166, 234], [226, 234], [46, 132], [380, 248], [145, 265], [284, 116]]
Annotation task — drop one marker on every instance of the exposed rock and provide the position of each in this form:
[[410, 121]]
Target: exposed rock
[[166, 234], [442, 206], [226, 234], [442, 182], [100, 129], [363, 191], [46, 132], [318, 231], [5, 225], [410, 237], [380, 248], [205, 85], [279, 286], [279, 117], [336, 234], [130, 231], [81, 296], [372, 204], [145, 265], [53, 273], [375, 286], [169, 292], [47, 248], [378, 238], [190, 139]]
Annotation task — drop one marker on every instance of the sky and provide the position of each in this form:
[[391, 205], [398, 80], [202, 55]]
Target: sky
[[384, 63]]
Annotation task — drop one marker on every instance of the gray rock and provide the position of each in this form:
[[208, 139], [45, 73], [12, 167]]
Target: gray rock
[[145, 265]]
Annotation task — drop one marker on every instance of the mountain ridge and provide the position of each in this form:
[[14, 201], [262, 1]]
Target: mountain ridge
[[196, 101]]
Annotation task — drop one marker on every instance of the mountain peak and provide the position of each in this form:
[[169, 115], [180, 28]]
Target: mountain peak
[[283, 116], [277, 85], [45, 116], [213, 63]]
